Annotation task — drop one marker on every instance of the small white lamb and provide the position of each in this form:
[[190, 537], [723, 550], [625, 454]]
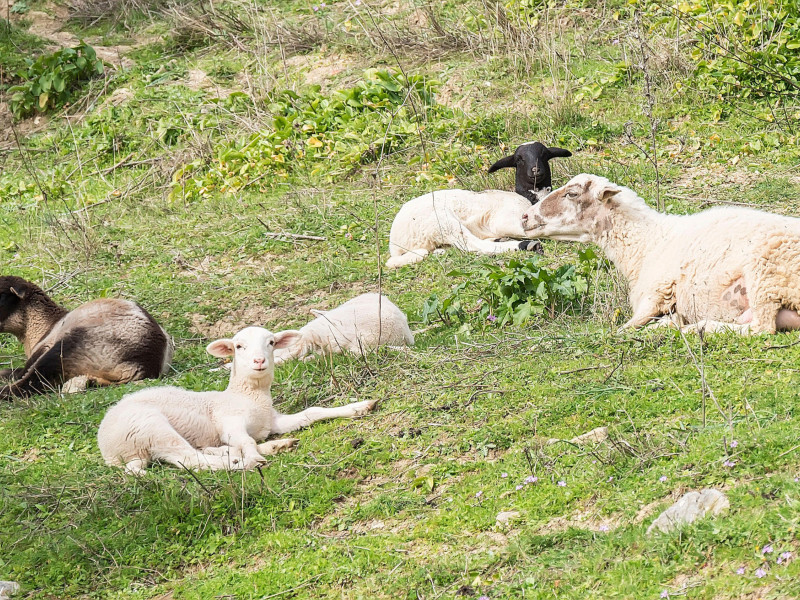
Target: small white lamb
[[363, 323], [469, 221], [210, 430]]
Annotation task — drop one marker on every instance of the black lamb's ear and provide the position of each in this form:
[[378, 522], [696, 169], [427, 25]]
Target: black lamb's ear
[[559, 153], [504, 163], [17, 293]]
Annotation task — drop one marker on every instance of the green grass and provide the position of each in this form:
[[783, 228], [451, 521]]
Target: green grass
[[402, 503]]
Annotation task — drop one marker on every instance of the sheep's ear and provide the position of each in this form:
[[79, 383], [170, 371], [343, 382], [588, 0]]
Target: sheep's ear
[[17, 293], [504, 163], [318, 313], [607, 192], [285, 339], [559, 153], [221, 348]]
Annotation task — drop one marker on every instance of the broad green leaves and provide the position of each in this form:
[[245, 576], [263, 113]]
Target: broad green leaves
[[50, 80]]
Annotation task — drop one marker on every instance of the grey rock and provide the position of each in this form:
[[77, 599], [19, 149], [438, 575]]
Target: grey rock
[[691, 506], [8, 588]]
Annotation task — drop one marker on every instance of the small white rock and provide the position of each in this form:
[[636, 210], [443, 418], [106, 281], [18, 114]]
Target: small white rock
[[691, 506], [595, 436], [506, 517], [8, 588]]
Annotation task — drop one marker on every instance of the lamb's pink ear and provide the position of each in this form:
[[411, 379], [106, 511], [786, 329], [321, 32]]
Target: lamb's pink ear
[[284, 339], [221, 348]]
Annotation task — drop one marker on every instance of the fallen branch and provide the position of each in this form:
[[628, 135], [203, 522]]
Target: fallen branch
[[294, 236]]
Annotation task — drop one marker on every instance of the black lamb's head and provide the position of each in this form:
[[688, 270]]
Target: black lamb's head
[[533, 171]]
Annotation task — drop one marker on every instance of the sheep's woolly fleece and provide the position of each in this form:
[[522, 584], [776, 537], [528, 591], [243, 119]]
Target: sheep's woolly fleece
[[731, 268], [469, 221]]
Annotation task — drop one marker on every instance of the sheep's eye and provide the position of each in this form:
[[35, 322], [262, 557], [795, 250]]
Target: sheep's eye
[[239, 346], [572, 194], [272, 342]]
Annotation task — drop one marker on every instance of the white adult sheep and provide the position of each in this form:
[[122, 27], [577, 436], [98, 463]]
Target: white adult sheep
[[210, 430], [724, 268], [469, 221], [363, 323]]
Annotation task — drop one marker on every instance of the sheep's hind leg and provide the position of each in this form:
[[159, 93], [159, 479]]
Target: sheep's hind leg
[[709, 326], [286, 423]]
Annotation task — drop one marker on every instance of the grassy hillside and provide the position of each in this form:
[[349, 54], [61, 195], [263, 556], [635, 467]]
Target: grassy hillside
[[215, 124]]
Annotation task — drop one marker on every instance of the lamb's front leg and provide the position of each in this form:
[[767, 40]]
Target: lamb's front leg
[[234, 435], [286, 423]]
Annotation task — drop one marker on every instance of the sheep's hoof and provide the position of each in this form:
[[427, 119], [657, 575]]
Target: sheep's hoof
[[75, 385], [276, 446], [532, 246], [363, 408]]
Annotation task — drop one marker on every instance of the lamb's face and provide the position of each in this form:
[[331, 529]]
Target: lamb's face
[[252, 350], [531, 161], [576, 212]]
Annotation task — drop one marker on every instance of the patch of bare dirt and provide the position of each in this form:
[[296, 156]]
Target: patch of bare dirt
[[198, 80], [320, 70], [588, 518], [700, 176], [236, 320]]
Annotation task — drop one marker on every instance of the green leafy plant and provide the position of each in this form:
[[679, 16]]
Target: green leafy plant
[[516, 292], [52, 79], [328, 134], [742, 48]]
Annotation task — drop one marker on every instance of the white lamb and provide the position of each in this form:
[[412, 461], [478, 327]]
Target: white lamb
[[469, 221], [363, 323], [210, 430], [724, 268]]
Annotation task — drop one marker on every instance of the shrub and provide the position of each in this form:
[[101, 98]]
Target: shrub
[[742, 48], [52, 79], [515, 292]]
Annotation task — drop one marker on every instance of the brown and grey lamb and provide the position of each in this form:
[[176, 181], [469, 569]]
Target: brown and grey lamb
[[103, 341]]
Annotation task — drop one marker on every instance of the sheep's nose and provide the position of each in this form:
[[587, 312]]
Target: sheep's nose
[[259, 361], [525, 218]]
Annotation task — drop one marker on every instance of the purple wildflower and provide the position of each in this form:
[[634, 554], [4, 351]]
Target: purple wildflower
[[664, 594], [315, 8], [734, 443], [530, 479], [503, 475], [729, 463], [357, 3], [491, 318], [520, 486], [603, 528], [484, 598], [760, 573], [562, 484], [786, 555], [663, 478], [740, 571], [479, 493], [610, 479], [767, 549]]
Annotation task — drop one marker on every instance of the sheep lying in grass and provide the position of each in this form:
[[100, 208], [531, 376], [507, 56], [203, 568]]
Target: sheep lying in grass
[[363, 323], [724, 268], [210, 430], [104, 341], [469, 221], [532, 163]]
